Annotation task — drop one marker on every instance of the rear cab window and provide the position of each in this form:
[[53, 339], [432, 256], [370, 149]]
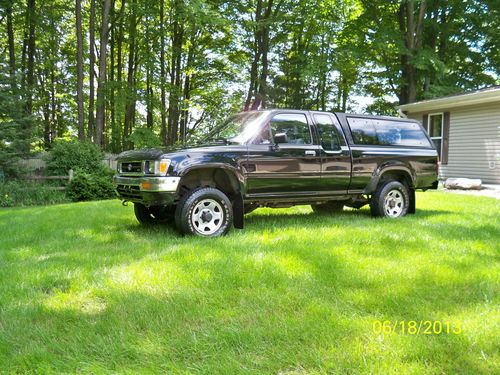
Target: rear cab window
[[331, 139], [379, 132]]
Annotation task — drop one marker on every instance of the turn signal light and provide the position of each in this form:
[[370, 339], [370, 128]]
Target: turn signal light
[[164, 164], [146, 186]]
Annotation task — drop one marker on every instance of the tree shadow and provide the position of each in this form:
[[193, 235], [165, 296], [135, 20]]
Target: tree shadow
[[124, 298]]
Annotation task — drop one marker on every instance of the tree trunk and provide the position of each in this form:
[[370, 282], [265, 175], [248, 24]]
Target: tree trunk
[[90, 130], [130, 100], [29, 55], [264, 54], [175, 75], [12, 51], [187, 89], [149, 97], [164, 133], [119, 72], [79, 70], [412, 32], [101, 103], [30, 75], [253, 78], [254, 69]]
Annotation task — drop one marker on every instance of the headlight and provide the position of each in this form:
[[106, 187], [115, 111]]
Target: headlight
[[157, 167]]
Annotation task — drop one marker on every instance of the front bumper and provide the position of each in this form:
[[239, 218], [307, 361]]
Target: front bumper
[[147, 190]]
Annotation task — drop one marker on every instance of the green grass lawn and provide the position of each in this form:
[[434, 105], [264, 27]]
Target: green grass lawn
[[84, 288]]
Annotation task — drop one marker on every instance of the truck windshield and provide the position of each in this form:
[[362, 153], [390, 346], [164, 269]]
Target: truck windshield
[[239, 128]]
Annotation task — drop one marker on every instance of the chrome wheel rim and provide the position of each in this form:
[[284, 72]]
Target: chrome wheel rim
[[394, 203], [207, 217]]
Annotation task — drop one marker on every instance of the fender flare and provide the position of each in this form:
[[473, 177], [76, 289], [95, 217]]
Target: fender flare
[[380, 171], [239, 178], [233, 172]]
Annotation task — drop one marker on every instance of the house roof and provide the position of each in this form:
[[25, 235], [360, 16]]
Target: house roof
[[486, 95]]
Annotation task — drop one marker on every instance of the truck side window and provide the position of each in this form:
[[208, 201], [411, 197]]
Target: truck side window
[[363, 131], [387, 133], [394, 133], [329, 135], [294, 125]]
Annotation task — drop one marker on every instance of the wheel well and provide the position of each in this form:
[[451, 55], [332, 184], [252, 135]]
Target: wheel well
[[217, 178], [400, 176]]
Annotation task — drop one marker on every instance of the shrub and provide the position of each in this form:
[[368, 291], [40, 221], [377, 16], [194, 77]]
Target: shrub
[[27, 193], [80, 156], [87, 186]]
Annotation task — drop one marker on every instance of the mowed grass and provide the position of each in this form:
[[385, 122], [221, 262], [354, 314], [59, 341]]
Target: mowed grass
[[84, 288]]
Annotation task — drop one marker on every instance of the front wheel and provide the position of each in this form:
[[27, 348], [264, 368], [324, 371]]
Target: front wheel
[[205, 212], [391, 199]]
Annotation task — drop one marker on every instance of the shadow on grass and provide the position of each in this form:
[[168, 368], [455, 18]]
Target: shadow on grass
[[246, 314], [121, 297]]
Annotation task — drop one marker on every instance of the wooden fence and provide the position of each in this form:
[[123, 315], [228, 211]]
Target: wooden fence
[[68, 178]]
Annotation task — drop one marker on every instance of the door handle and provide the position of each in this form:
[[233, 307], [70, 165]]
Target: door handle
[[310, 153]]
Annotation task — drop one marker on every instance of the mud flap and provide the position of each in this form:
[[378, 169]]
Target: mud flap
[[238, 212], [412, 206]]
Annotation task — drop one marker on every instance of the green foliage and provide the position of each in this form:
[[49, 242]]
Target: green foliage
[[382, 107], [24, 193], [453, 51], [144, 138], [78, 156], [87, 187], [318, 55]]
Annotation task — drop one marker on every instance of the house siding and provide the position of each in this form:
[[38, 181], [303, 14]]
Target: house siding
[[474, 144]]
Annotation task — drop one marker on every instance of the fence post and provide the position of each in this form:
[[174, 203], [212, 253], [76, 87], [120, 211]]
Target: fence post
[[70, 175]]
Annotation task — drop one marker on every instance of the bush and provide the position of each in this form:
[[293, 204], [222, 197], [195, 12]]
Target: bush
[[87, 187], [26, 193], [79, 156]]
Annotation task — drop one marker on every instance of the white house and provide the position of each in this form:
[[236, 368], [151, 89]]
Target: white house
[[466, 131]]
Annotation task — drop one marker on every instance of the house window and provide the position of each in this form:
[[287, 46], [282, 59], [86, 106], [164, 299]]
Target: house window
[[435, 130]]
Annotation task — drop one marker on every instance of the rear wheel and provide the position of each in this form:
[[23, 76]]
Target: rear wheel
[[153, 215], [391, 199], [205, 212], [329, 207]]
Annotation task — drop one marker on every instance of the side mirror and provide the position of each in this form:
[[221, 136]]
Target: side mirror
[[280, 138]]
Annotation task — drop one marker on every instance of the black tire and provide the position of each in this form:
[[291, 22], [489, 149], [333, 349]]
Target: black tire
[[391, 199], [328, 208], [198, 211], [153, 215]]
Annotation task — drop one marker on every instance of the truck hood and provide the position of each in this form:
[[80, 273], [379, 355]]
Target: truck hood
[[155, 154]]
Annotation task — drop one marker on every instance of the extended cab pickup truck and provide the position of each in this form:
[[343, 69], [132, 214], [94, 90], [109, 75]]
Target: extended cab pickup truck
[[281, 158]]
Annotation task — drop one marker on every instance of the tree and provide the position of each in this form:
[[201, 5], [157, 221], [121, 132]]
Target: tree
[[173, 69], [91, 118], [101, 82], [79, 63]]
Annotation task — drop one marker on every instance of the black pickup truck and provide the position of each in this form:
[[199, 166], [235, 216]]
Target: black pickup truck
[[281, 158]]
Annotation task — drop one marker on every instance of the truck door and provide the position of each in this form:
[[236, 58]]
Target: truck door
[[335, 155], [288, 162]]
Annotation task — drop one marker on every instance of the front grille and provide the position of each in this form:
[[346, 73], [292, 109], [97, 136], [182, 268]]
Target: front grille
[[129, 192], [131, 167]]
